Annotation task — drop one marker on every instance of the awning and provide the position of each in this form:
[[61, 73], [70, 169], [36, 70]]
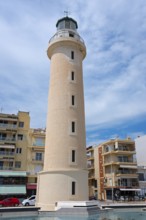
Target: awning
[[11, 189], [31, 186], [13, 173], [128, 166], [130, 189], [7, 146]]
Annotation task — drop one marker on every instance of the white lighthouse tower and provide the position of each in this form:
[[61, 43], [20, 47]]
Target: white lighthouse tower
[[65, 175]]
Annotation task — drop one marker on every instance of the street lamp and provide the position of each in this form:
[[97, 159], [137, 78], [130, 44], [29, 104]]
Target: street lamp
[[112, 182]]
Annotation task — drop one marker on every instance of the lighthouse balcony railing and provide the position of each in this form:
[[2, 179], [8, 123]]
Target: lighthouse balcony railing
[[66, 33]]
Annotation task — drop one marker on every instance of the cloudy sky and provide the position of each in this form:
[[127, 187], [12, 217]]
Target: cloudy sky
[[114, 70]]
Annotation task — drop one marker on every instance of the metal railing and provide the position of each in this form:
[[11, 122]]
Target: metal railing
[[8, 126], [6, 153], [122, 160], [6, 168], [7, 139], [125, 172], [67, 33]]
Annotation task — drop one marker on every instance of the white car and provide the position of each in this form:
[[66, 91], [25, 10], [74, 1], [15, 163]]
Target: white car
[[29, 201]]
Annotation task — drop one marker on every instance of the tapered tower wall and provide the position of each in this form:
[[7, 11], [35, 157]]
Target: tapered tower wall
[[65, 176]]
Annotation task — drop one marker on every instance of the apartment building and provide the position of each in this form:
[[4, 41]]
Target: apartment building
[[117, 169], [21, 154], [35, 158], [14, 135], [92, 175], [112, 169], [140, 143]]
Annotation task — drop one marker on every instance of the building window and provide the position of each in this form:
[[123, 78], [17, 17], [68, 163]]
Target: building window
[[11, 164], [39, 142], [72, 55], [20, 137], [3, 136], [73, 126], [73, 100], [38, 156], [18, 164], [72, 75], [141, 176], [21, 124], [18, 150], [73, 156], [73, 188]]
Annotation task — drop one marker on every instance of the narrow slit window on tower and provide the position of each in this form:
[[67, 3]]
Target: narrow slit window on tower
[[73, 126], [71, 34], [72, 75], [73, 188], [73, 100], [72, 55], [73, 156]]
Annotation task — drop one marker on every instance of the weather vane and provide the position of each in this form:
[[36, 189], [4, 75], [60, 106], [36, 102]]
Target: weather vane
[[66, 13]]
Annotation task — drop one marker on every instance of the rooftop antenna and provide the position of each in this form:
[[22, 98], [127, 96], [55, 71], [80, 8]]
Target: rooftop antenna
[[66, 13], [1, 110]]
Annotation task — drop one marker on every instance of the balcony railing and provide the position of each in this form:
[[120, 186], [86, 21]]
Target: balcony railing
[[132, 185], [132, 150], [91, 176], [90, 157], [8, 126], [66, 33], [121, 160], [38, 144], [6, 168], [37, 160], [7, 153], [7, 139], [90, 166], [125, 172]]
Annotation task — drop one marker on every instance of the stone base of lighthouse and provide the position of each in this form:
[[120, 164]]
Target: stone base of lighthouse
[[63, 185]]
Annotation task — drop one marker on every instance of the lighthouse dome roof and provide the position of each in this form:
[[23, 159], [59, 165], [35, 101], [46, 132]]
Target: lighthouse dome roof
[[66, 23]]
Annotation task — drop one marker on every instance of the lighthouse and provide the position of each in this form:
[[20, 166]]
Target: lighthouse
[[64, 177]]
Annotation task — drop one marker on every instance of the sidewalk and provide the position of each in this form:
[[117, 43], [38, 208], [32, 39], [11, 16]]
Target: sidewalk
[[122, 204]]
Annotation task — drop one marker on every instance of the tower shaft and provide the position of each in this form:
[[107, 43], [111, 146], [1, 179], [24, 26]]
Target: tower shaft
[[64, 177]]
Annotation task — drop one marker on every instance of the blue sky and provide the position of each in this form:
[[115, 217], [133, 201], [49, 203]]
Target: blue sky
[[114, 32]]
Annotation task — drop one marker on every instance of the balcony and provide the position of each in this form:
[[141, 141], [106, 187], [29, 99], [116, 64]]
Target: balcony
[[8, 126], [38, 144], [119, 161], [6, 153], [130, 185], [6, 168], [66, 34], [120, 151], [90, 166], [90, 157], [89, 149], [5, 139], [7, 158], [91, 177], [126, 174], [36, 160]]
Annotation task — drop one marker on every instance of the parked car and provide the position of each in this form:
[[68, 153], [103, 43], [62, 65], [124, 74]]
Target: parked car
[[29, 201], [9, 202], [139, 197]]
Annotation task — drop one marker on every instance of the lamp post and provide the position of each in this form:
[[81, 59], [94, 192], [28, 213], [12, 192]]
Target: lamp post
[[112, 182]]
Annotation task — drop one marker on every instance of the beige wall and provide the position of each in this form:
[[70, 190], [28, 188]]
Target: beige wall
[[55, 181], [61, 191], [23, 144]]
